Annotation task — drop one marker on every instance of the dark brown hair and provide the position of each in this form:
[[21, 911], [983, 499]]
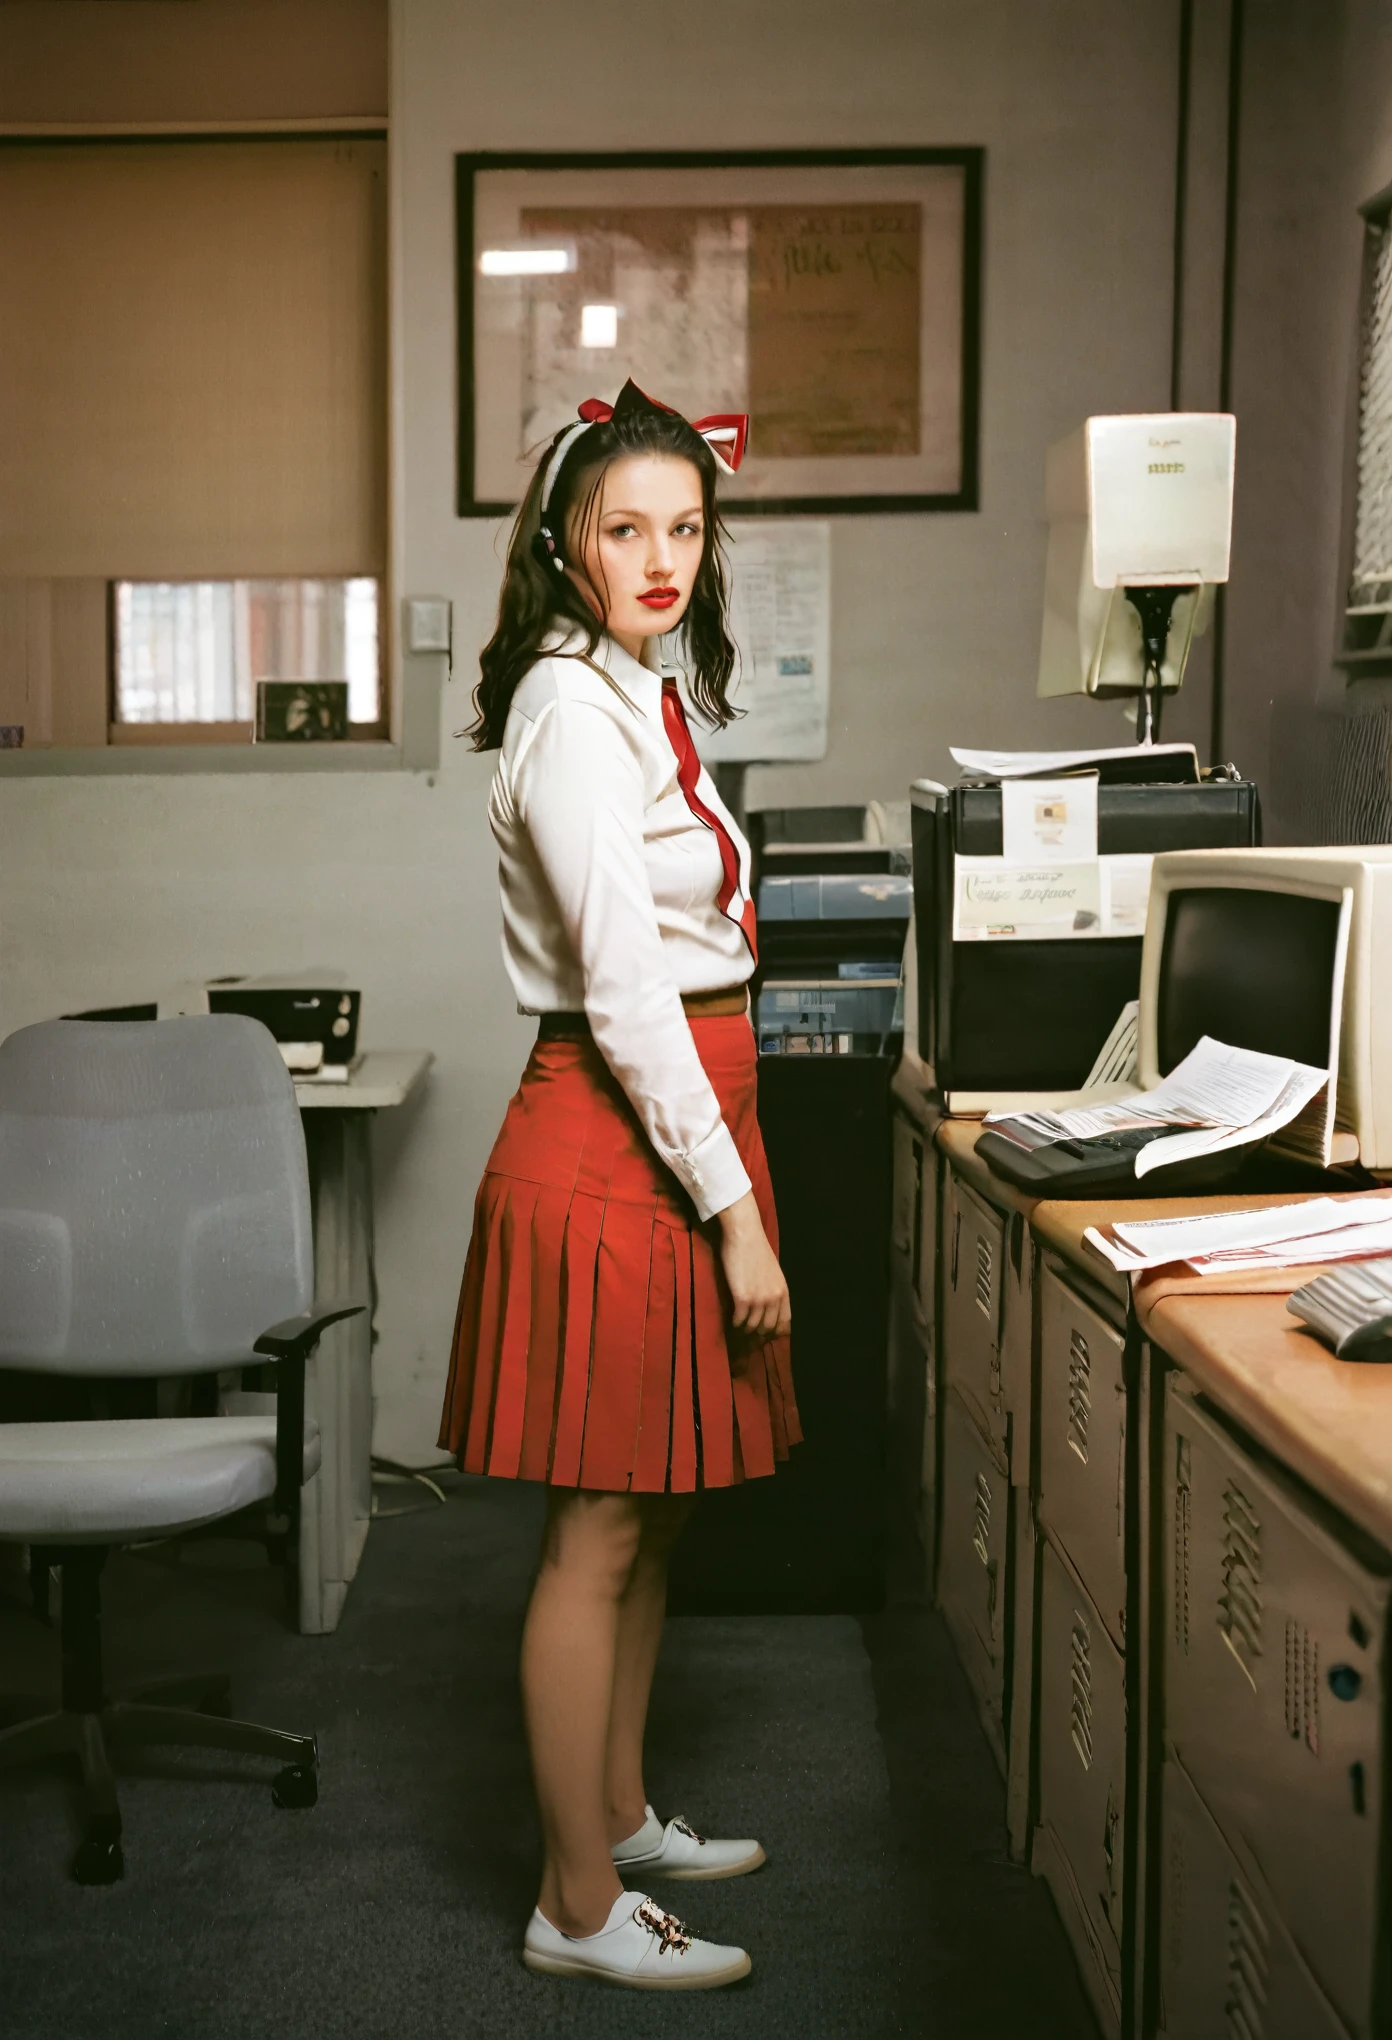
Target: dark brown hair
[[535, 597]]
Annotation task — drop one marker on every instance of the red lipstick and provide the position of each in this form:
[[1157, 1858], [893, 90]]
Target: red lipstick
[[660, 598]]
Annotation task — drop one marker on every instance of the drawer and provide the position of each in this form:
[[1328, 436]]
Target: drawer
[[973, 1542], [1078, 1844], [1227, 1962], [1017, 1343], [973, 1280], [1082, 1443], [1274, 1689]]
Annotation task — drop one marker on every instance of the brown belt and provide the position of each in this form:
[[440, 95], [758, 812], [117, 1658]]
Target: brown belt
[[728, 1002]]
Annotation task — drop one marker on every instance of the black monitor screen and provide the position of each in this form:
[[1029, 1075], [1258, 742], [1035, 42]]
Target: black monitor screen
[[1255, 969]]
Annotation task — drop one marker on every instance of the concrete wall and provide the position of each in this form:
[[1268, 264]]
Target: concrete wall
[[110, 888]]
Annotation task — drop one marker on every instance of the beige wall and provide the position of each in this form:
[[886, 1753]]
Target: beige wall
[[111, 888], [150, 62]]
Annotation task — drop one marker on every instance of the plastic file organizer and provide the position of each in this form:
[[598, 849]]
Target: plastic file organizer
[[1018, 1014]]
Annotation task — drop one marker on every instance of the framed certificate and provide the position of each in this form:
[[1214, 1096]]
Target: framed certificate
[[833, 295]]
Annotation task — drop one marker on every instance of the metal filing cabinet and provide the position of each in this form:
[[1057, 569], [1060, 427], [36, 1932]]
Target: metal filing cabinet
[[1275, 1693], [1082, 1442], [1228, 1966], [1079, 1843], [973, 1540], [973, 1284], [911, 1388]]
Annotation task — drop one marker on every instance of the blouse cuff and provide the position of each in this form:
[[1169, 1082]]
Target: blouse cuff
[[713, 1173]]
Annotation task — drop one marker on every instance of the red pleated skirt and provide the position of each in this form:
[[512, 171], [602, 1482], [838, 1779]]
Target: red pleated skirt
[[592, 1346]]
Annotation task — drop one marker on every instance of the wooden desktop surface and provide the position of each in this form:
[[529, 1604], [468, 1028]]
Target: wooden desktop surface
[[1329, 1420]]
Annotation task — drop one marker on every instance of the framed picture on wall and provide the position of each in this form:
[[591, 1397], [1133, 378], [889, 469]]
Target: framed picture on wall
[[833, 294]]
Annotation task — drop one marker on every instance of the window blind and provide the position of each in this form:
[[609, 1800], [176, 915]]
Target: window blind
[[193, 359]]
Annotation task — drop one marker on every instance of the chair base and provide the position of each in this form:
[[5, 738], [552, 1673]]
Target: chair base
[[153, 1720]]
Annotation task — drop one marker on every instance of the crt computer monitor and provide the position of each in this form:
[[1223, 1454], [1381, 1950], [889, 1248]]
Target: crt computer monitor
[[1250, 945]]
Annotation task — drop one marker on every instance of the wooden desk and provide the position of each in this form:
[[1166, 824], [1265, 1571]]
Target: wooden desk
[[336, 1507]]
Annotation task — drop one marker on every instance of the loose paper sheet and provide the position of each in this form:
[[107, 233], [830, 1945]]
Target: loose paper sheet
[[1224, 1097], [780, 617], [997, 901], [1024, 764]]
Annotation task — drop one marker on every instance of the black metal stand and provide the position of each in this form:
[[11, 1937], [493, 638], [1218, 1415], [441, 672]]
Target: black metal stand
[[188, 1713]]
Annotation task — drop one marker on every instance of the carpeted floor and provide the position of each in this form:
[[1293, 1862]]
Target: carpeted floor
[[393, 1911]]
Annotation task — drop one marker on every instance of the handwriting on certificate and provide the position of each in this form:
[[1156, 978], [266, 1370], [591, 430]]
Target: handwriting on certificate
[[997, 901]]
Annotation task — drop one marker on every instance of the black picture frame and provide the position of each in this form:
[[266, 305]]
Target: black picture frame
[[972, 162]]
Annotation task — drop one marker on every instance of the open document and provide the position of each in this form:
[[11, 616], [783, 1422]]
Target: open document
[[1272, 1236], [1217, 1098]]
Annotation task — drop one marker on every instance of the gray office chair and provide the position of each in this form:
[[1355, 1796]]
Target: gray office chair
[[154, 1221]]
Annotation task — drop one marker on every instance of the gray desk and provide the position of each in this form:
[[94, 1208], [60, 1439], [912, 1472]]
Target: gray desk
[[337, 1503]]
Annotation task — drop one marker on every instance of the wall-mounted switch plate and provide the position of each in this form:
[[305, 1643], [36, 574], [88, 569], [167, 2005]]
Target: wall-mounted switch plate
[[428, 622]]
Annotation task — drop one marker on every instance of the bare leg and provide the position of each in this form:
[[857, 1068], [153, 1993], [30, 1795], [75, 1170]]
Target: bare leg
[[569, 1644], [641, 1615]]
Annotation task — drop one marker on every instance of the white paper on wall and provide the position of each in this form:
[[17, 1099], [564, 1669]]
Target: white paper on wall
[[780, 614]]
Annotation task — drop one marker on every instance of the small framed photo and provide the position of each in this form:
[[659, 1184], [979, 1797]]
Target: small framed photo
[[833, 295], [301, 711]]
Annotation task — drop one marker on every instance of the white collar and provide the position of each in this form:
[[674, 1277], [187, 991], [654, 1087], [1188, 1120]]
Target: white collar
[[635, 675]]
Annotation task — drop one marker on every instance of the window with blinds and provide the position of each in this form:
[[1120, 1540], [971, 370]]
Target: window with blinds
[[1368, 610], [192, 431]]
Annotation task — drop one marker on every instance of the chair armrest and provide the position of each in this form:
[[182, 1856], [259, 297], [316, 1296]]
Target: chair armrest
[[290, 1344], [295, 1338]]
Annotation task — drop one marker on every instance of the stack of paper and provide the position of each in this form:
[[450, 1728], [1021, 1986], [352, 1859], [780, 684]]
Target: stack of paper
[[1221, 1097], [1276, 1236], [1130, 761]]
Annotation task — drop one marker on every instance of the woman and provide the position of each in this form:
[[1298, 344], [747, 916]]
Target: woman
[[623, 1327]]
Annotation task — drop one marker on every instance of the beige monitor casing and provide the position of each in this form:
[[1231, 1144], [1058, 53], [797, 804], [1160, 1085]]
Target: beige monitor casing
[[1363, 872]]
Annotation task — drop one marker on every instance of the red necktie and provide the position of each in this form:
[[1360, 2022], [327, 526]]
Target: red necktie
[[688, 772]]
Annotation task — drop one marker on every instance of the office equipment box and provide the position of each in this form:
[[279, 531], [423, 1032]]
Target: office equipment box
[[1275, 1693], [1082, 1439], [973, 1569], [1013, 1015], [1079, 1842], [1228, 1965]]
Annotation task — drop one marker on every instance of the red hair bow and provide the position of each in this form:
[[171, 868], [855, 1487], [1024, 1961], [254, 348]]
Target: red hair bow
[[726, 433]]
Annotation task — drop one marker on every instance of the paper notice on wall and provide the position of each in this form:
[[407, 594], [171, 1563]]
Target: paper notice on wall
[[997, 901], [780, 616], [1053, 818]]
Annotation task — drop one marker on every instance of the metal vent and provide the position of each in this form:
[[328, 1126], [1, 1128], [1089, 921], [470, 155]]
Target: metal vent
[[981, 1527], [983, 1274], [1372, 546], [1239, 1604], [1181, 1545], [1246, 1994], [1079, 1394], [1302, 1686], [1080, 1710]]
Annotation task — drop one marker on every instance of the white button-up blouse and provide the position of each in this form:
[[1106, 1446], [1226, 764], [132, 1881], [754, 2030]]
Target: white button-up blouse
[[609, 886]]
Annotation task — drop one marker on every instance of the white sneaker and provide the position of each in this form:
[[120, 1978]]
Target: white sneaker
[[678, 1851], [639, 1945]]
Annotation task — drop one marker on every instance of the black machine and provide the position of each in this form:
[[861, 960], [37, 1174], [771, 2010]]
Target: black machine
[[1032, 1015], [812, 1540], [1255, 969]]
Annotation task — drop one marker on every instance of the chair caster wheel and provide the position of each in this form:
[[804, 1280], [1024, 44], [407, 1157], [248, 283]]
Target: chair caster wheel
[[99, 1860], [297, 1786]]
